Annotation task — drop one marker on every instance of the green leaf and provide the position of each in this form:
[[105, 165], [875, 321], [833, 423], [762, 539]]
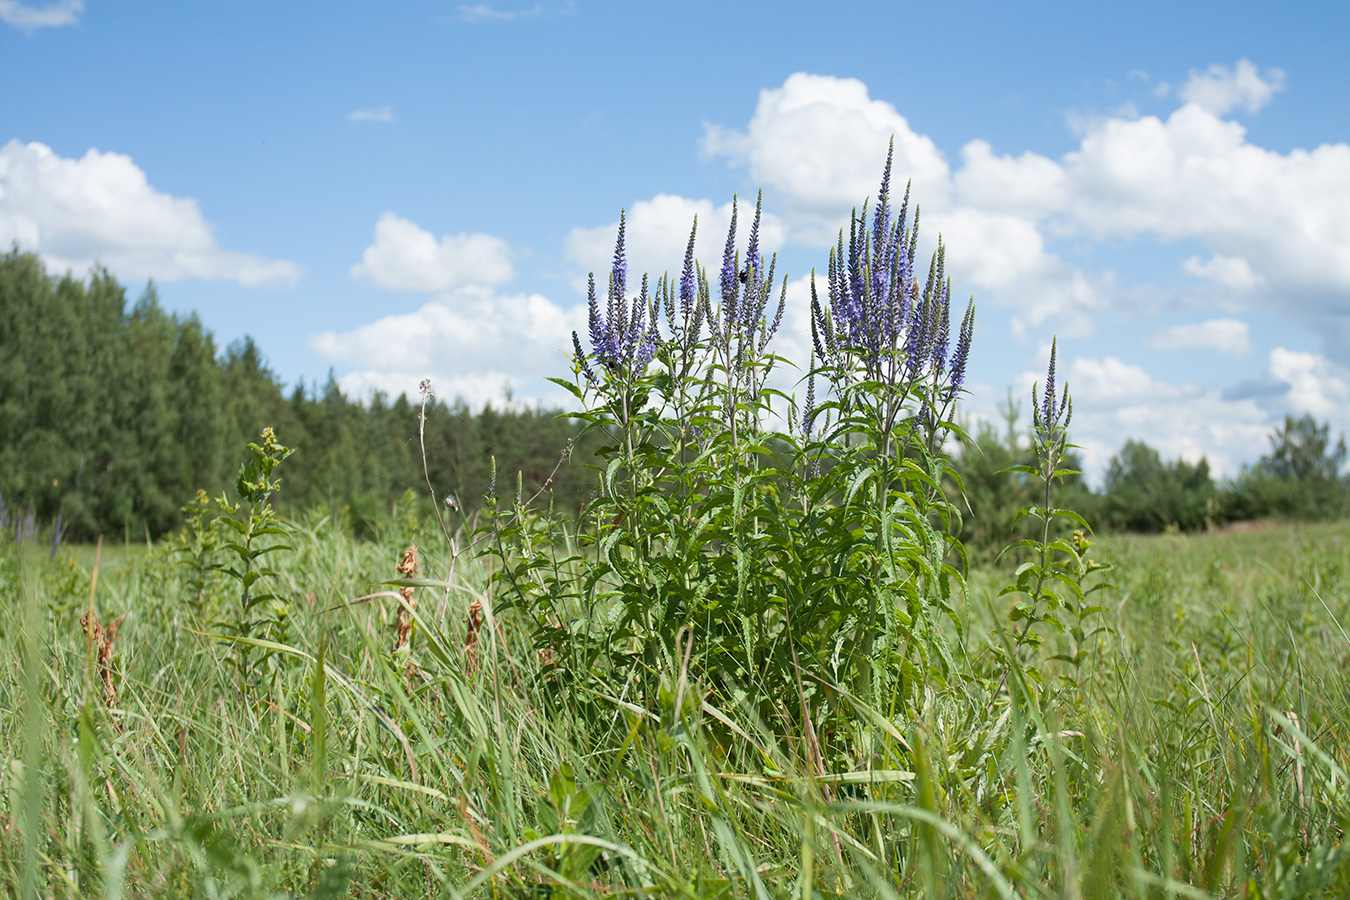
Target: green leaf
[[318, 720], [856, 482], [1071, 516], [570, 386]]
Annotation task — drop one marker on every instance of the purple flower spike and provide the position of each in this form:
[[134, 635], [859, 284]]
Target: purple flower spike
[[624, 335], [688, 283], [581, 359], [876, 310], [618, 283], [881, 228], [1049, 408], [754, 262], [729, 274], [598, 331], [916, 340], [809, 412], [942, 334], [962, 353], [777, 316]]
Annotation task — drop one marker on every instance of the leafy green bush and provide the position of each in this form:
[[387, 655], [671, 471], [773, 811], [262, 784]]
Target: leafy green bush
[[760, 562]]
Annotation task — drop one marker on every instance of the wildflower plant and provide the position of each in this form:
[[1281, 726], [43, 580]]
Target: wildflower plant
[[257, 531], [1051, 587], [813, 559]]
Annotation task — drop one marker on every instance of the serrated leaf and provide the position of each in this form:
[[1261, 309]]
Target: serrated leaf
[[856, 482]]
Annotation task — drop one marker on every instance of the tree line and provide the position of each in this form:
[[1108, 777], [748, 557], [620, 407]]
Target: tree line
[[1298, 478], [112, 417]]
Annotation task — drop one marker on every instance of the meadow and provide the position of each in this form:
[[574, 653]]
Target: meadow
[[1203, 752], [757, 662]]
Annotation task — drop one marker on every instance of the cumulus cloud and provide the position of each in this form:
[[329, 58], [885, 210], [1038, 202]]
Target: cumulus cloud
[[1232, 272], [1316, 386], [1115, 401], [1005, 256], [1029, 185], [406, 257], [1220, 89], [1270, 220], [1273, 223], [1230, 336], [372, 114], [470, 341], [819, 142], [101, 208], [656, 234], [31, 18]]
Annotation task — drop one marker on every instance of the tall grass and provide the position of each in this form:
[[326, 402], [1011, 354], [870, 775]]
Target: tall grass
[[1204, 754]]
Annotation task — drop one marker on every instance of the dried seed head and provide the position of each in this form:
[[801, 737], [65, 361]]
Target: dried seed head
[[474, 619], [407, 568]]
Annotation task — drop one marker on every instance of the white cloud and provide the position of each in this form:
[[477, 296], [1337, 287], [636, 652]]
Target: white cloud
[[1273, 223], [470, 341], [1220, 89], [1316, 386], [1231, 336], [1114, 401], [1232, 272], [656, 235], [1004, 255], [479, 12], [405, 257], [1029, 185], [101, 208], [1270, 219], [30, 18], [372, 114], [820, 141]]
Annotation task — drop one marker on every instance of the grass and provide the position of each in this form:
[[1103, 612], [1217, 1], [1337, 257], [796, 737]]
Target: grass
[[1202, 751]]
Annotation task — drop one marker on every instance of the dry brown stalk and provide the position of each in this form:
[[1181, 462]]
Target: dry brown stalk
[[477, 833], [407, 569], [101, 637], [475, 621]]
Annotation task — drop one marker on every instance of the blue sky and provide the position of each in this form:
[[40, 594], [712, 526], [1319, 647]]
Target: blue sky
[[417, 189]]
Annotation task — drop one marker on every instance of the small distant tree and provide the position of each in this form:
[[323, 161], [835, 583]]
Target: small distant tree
[[1301, 450], [1143, 493], [1299, 477]]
